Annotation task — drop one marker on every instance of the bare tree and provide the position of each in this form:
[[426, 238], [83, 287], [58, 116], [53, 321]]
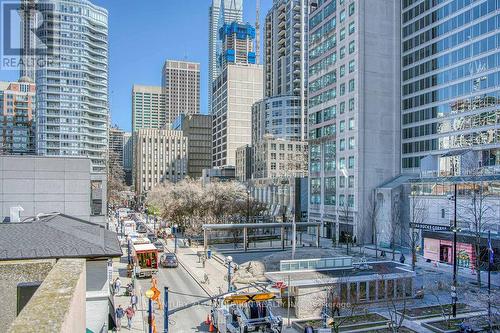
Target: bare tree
[[372, 215], [476, 210], [343, 212], [418, 214], [116, 180], [395, 224]]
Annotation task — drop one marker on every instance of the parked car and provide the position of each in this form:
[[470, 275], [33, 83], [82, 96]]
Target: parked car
[[159, 245], [169, 260]]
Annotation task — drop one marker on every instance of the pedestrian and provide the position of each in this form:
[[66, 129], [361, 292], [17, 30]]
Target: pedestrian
[[133, 301], [402, 258], [117, 285], [130, 289], [130, 315], [119, 315]]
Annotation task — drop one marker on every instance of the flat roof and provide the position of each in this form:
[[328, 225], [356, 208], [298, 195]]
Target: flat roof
[[257, 225], [317, 277], [144, 247]]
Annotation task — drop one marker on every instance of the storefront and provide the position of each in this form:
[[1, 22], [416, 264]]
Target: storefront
[[438, 247]]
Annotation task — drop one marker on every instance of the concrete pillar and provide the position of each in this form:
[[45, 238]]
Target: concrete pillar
[[376, 290], [245, 239], [282, 237]]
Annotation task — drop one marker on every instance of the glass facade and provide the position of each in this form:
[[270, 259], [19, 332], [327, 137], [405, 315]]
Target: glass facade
[[450, 78]]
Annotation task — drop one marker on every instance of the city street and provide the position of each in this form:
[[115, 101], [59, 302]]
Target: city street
[[181, 286]]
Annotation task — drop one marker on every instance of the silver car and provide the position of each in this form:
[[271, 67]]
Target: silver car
[[169, 260]]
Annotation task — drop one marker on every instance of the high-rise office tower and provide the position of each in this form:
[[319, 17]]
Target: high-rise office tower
[[181, 86], [148, 107], [353, 107], [116, 143], [72, 82], [450, 84], [128, 149], [17, 104], [197, 128], [234, 91], [226, 11]]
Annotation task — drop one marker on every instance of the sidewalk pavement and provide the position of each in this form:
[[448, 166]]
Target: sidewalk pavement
[[139, 321]]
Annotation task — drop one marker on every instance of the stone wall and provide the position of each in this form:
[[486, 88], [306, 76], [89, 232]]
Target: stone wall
[[11, 274]]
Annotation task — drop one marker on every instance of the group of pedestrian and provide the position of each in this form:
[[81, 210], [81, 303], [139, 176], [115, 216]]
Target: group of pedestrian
[[129, 312]]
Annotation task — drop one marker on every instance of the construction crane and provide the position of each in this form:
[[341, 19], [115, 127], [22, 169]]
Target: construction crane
[[257, 31]]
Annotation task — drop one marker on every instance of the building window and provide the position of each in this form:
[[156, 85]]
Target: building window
[[351, 104], [351, 124], [351, 47], [351, 85], [351, 28], [443, 213], [342, 89], [342, 126], [350, 181], [342, 52], [351, 66], [342, 34], [342, 107], [351, 162], [341, 200], [351, 143], [342, 144], [342, 16], [342, 70], [351, 9], [342, 163], [350, 200], [342, 182]]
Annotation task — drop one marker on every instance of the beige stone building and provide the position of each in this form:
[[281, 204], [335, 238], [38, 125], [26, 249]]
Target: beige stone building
[[160, 155], [181, 86]]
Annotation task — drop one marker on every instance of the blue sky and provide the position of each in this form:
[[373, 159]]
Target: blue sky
[[143, 34]]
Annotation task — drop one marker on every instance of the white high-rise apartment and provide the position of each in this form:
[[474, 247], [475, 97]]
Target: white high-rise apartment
[[229, 11], [354, 110], [72, 84], [181, 86]]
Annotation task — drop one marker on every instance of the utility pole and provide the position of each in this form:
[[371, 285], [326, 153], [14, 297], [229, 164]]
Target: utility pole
[[165, 310]]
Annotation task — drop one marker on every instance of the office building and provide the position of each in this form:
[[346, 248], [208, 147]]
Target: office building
[[181, 86], [17, 107], [353, 108], [236, 89], [197, 128], [116, 143], [44, 184], [274, 158], [72, 108], [149, 108], [244, 161], [218, 174], [450, 83], [160, 155], [128, 158], [220, 12]]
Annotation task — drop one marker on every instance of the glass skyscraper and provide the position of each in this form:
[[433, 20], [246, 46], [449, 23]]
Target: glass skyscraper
[[72, 85], [450, 81]]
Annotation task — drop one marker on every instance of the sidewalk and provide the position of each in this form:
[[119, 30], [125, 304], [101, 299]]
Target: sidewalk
[[120, 270]]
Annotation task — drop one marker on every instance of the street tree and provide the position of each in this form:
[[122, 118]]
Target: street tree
[[115, 181], [395, 225], [418, 215], [372, 215]]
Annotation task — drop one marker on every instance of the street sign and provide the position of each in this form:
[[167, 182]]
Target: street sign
[[431, 227], [280, 285]]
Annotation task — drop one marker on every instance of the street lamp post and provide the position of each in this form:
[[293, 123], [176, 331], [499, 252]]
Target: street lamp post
[[454, 287], [149, 294], [248, 206], [175, 237], [229, 259]]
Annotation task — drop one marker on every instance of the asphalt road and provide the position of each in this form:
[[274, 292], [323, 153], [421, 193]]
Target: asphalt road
[[191, 319]]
